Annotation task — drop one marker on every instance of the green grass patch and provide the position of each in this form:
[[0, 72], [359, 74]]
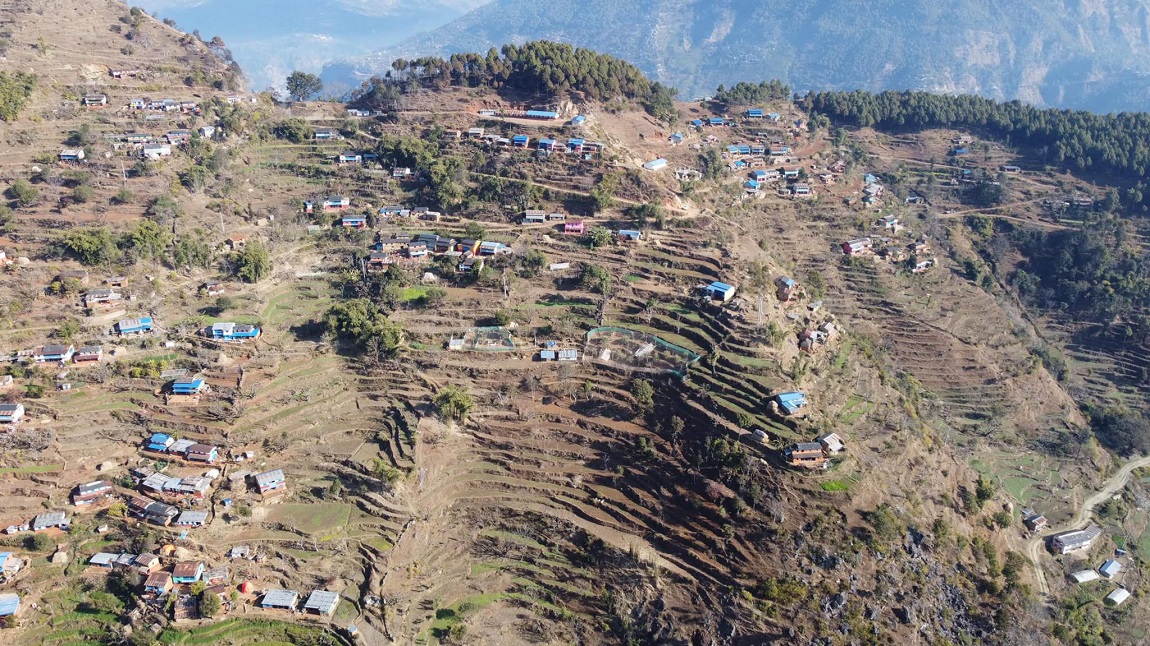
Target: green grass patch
[[835, 485], [413, 293], [43, 468], [855, 408], [312, 518], [634, 278]]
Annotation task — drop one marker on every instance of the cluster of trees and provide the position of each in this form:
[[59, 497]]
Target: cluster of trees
[[1090, 272], [1124, 431], [149, 241], [742, 94], [15, 89], [534, 67], [98, 246], [1116, 144], [360, 323]]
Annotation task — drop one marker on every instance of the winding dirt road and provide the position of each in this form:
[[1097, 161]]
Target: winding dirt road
[[1115, 484]]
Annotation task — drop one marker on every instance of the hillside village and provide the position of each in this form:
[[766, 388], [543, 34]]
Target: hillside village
[[477, 367]]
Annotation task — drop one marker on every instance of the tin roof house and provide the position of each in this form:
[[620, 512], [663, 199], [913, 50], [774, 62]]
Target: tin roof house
[[234, 331], [792, 403], [1075, 540], [92, 492], [270, 481], [721, 292], [136, 326]]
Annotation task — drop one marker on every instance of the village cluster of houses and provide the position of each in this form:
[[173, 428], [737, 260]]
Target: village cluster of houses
[[160, 582], [916, 255], [471, 253]]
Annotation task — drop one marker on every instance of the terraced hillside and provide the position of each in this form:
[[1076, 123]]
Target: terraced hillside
[[482, 493]]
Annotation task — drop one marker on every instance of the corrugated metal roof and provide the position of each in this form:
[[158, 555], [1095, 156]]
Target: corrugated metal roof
[[322, 601], [280, 598]]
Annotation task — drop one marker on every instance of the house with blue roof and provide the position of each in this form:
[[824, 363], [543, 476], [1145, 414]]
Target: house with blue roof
[[720, 291], [696, 123], [774, 117], [759, 175], [734, 150], [141, 325], [350, 158], [547, 144], [791, 403], [786, 288], [9, 604], [578, 120], [961, 151], [676, 138], [629, 235], [520, 141], [188, 386], [754, 113], [160, 442], [234, 331], [744, 149], [355, 222], [717, 121], [751, 186], [541, 114]]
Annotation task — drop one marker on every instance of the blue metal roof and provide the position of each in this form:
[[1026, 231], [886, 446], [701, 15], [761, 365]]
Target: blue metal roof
[[696, 122], [755, 112], [720, 287], [160, 438], [578, 119], [716, 121], [546, 114], [9, 604], [791, 397], [546, 142], [751, 184]]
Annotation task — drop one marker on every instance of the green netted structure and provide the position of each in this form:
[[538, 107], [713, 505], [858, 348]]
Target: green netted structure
[[488, 339], [634, 350]]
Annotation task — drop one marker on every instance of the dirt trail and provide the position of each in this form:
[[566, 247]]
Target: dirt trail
[[1115, 484]]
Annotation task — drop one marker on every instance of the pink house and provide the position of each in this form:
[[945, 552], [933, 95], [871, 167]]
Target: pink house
[[573, 228]]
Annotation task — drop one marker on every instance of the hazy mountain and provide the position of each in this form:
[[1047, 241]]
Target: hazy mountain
[[270, 38], [1079, 53]]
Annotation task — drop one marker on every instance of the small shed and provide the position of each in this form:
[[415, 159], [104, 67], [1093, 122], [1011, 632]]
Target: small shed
[[1115, 598]]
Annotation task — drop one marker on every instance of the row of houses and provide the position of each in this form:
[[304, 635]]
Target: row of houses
[[189, 450], [471, 252], [161, 105], [814, 454], [59, 353]]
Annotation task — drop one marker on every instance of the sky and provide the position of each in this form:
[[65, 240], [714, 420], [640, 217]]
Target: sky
[[271, 38]]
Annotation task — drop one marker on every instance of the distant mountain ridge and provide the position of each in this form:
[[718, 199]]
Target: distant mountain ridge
[[1089, 54]]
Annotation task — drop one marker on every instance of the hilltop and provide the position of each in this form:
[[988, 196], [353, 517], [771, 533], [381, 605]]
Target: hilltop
[[468, 356], [1067, 54]]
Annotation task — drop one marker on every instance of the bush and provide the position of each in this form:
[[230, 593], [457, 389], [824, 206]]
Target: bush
[[83, 193], [24, 193]]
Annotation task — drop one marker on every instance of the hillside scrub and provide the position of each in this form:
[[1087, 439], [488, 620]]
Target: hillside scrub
[[15, 90]]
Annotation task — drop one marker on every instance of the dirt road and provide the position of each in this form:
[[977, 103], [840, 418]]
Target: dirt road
[[1115, 484]]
